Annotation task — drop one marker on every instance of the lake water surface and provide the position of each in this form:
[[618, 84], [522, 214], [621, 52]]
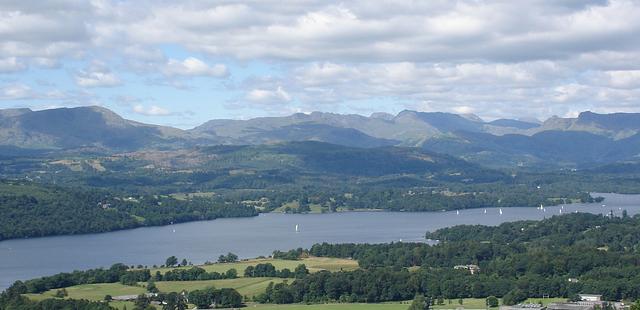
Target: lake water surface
[[250, 237]]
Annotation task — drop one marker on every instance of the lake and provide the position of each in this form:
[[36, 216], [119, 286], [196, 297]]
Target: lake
[[250, 237]]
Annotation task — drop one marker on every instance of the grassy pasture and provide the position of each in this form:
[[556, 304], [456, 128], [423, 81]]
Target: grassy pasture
[[92, 291], [383, 306], [97, 292], [245, 286], [314, 264]]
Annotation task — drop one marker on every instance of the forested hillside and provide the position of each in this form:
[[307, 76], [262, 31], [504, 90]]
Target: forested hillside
[[34, 210], [98, 193]]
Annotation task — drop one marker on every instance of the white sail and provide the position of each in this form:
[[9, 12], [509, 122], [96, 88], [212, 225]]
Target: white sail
[[457, 212], [485, 211], [500, 211], [297, 228]]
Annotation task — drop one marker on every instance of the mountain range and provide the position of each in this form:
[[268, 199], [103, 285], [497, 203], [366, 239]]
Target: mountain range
[[589, 139]]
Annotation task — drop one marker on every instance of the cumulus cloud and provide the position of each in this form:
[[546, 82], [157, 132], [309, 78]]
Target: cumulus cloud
[[152, 110], [458, 56], [404, 31], [11, 64], [16, 92], [277, 95], [623, 78], [192, 66], [97, 76]]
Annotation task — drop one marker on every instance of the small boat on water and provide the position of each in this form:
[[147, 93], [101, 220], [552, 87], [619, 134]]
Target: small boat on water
[[500, 211], [297, 228]]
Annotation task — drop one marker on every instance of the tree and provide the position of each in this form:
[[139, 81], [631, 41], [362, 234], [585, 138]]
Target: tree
[[301, 271], [492, 302], [232, 257], [229, 258], [227, 298], [202, 298], [171, 261], [142, 302], [175, 301], [231, 273], [248, 272], [419, 303], [184, 262], [282, 294], [636, 305], [61, 293], [514, 297], [151, 287], [108, 298]]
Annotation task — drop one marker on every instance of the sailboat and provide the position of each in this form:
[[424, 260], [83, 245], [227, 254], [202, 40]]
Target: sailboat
[[485, 211], [457, 212], [500, 211], [297, 228]]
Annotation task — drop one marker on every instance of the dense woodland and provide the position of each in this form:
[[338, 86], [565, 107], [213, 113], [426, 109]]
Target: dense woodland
[[525, 259], [34, 210]]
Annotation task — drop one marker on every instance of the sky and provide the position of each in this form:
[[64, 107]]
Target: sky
[[181, 63]]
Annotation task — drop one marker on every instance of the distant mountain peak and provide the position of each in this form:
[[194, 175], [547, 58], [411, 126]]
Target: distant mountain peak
[[612, 122], [514, 124], [14, 112], [472, 117], [382, 115], [589, 136]]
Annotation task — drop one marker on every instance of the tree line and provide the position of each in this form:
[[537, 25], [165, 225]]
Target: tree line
[[516, 261], [37, 210]]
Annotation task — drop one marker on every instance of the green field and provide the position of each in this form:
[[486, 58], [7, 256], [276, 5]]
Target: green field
[[245, 286], [467, 303], [479, 303], [93, 291], [185, 196], [385, 306], [314, 208], [545, 301], [314, 264]]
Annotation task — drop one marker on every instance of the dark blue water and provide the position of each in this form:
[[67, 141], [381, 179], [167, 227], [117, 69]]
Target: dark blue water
[[251, 237]]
